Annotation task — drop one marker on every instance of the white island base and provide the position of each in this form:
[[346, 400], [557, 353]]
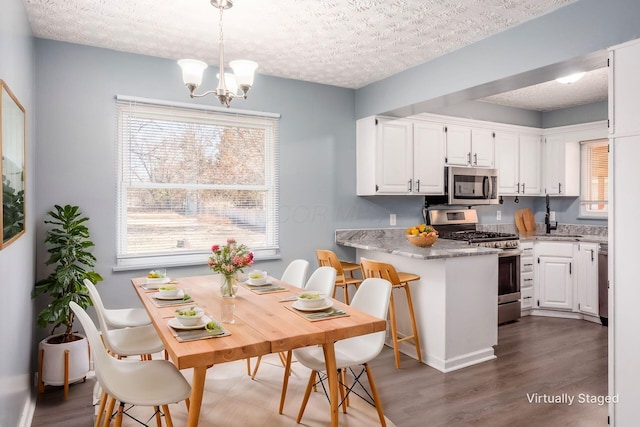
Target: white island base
[[455, 303]]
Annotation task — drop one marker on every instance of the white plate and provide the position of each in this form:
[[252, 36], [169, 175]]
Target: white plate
[[250, 283], [175, 323], [180, 295], [328, 303]]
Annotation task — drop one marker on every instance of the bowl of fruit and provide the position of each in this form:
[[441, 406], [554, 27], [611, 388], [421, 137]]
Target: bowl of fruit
[[157, 277], [257, 278], [168, 291], [422, 235]]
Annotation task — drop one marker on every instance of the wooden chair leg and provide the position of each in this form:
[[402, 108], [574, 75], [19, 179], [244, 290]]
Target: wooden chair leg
[[346, 294], [374, 393], [119, 414], [255, 369], [248, 366], [283, 358], [103, 402], [187, 403], [111, 403], [344, 381], [307, 393], [394, 332], [412, 316], [285, 381], [167, 415], [158, 416]]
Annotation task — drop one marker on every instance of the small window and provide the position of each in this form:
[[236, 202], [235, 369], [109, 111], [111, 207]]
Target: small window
[[594, 194], [193, 177]]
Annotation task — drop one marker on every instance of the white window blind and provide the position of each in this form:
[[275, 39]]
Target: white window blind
[[595, 178], [192, 177]]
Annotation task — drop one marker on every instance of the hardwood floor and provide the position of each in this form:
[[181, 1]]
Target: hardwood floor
[[539, 355]]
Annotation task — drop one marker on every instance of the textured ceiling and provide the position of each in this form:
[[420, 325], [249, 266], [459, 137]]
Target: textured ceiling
[[548, 96], [347, 43]]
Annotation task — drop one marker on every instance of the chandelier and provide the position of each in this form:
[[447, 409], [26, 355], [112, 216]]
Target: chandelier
[[228, 84]]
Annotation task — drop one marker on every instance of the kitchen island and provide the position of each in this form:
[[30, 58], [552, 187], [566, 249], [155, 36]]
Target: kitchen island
[[455, 299]]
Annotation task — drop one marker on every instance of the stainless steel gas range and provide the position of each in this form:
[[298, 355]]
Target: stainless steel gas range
[[460, 224]]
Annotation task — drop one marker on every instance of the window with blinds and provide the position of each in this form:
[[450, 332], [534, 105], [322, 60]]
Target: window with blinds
[[595, 178], [193, 177]]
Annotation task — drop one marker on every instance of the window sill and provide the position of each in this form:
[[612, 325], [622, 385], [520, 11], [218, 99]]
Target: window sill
[[182, 260]]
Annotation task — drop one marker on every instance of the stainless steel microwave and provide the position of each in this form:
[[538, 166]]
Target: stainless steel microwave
[[472, 186]]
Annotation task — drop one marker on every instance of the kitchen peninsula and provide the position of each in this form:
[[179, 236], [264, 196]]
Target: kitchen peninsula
[[455, 299]]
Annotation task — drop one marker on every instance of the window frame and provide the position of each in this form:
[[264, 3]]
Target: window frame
[[585, 176], [125, 261]]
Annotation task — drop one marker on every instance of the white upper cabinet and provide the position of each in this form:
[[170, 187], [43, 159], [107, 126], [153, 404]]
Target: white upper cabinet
[[518, 162], [483, 148], [530, 162], [397, 156], [428, 158], [561, 166], [458, 145], [469, 146]]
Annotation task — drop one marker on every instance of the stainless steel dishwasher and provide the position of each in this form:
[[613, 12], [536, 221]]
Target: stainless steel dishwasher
[[603, 283]]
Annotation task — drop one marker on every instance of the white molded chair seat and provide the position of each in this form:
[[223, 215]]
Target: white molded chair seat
[[144, 383], [120, 317], [372, 297], [126, 317]]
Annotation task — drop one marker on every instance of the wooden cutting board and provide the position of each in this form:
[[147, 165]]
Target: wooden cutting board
[[529, 221], [519, 219]]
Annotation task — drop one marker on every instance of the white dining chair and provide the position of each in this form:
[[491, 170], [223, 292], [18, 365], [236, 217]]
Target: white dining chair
[[322, 280], [140, 341], [154, 383], [122, 317], [372, 297], [296, 273]]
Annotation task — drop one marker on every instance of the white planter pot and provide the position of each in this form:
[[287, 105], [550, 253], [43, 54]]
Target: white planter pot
[[53, 361]]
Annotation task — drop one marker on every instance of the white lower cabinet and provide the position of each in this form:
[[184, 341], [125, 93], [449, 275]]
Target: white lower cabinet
[[565, 280], [587, 282]]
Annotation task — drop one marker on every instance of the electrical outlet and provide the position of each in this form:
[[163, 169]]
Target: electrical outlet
[[392, 219], [552, 216], [498, 215]]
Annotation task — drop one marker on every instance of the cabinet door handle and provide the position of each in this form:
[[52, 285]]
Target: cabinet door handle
[[591, 255], [469, 157], [569, 269], [559, 188], [410, 185], [518, 184], [523, 188], [418, 185], [475, 158], [526, 265]]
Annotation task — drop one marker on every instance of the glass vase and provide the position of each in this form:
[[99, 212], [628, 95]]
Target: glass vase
[[229, 285]]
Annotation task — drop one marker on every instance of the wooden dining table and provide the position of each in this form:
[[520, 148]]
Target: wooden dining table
[[263, 324]]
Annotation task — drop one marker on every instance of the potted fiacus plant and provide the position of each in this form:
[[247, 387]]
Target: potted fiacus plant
[[68, 241]]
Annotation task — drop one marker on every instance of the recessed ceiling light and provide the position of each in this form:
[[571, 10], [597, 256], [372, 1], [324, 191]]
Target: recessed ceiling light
[[571, 78]]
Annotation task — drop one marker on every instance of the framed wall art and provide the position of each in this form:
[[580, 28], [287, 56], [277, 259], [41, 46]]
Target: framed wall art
[[12, 148]]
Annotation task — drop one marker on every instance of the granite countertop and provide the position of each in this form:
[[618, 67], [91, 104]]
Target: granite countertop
[[393, 241], [565, 238]]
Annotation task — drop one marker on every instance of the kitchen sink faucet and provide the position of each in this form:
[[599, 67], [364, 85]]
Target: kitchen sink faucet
[[547, 218]]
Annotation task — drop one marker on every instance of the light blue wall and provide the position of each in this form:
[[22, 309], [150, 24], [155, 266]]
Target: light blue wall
[[593, 112], [17, 63]]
